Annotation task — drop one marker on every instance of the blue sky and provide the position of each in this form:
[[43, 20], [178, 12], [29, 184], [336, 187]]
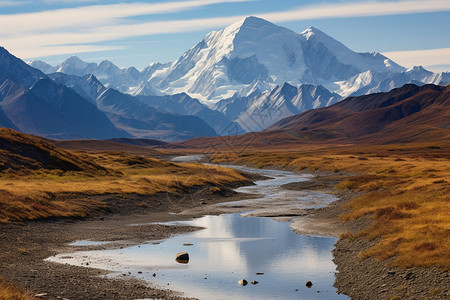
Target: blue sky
[[130, 33]]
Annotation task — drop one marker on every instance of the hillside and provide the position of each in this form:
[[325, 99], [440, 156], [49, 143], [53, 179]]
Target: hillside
[[22, 153], [407, 114], [39, 180]]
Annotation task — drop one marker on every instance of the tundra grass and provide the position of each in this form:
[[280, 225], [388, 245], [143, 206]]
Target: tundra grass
[[44, 193], [406, 193], [10, 292]]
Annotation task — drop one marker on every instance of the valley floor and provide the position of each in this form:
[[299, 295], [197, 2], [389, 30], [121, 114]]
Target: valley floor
[[26, 245]]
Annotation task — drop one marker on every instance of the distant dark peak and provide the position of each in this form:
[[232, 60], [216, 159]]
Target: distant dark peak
[[45, 82], [92, 79], [287, 87], [107, 65], [3, 50], [74, 57], [308, 86], [419, 69], [4, 53], [132, 69], [110, 91], [183, 94], [105, 62]]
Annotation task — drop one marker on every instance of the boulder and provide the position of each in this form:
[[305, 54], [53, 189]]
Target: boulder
[[182, 258]]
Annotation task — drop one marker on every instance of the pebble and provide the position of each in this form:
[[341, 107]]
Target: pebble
[[243, 282], [41, 295]]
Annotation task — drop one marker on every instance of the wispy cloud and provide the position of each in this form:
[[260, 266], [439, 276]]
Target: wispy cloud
[[67, 1], [10, 3], [359, 9], [426, 58], [94, 15], [33, 33]]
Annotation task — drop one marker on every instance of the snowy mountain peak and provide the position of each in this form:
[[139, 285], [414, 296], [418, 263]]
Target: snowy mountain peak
[[231, 60], [107, 64], [418, 69], [74, 62], [312, 31], [255, 23], [43, 66]]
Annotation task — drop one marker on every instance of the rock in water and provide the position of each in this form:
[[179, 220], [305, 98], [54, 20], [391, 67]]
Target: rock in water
[[243, 282], [308, 284], [182, 257], [254, 282]]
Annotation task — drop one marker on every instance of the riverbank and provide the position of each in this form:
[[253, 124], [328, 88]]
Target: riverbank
[[26, 245], [365, 278]]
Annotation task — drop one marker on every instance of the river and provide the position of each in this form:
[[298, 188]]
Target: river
[[234, 246]]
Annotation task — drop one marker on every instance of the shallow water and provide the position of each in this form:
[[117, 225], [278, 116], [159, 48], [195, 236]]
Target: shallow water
[[85, 243], [232, 247]]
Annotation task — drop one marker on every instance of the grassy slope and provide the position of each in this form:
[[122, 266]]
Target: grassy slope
[[40, 180], [406, 193], [23, 153]]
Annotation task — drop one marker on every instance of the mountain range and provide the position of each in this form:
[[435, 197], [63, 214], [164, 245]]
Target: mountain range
[[69, 107], [246, 69], [243, 78]]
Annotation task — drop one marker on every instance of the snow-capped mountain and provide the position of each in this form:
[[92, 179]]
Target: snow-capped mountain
[[283, 101], [369, 82], [127, 80], [254, 49]]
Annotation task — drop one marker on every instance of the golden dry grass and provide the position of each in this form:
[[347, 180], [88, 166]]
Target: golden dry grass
[[10, 292], [406, 193], [44, 193]]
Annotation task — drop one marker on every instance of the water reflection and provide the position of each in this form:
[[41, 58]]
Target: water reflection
[[229, 249]]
